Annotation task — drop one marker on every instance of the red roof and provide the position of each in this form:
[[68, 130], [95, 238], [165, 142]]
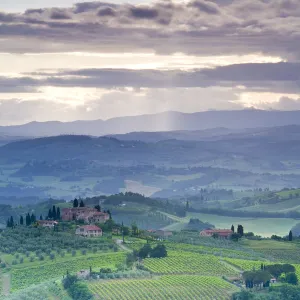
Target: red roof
[[91, 227], [224, 232]]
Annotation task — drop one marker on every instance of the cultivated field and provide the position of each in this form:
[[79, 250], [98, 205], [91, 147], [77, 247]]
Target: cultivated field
[[177, 287]]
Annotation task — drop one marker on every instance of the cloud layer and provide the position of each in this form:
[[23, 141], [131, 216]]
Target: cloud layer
[[101, 60], [198, 27]]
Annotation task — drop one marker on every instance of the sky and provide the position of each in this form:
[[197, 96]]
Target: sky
[[67, 60]]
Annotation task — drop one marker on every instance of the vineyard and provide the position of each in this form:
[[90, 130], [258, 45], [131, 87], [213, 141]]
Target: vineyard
[[189, 263], [175, 287], [22, 278]]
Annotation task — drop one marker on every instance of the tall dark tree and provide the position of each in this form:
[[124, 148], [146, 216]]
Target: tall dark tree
[[187, 205], [290, 236], [50, 215], [75, 203], [21, 220], [81, 204], [109, 213], [58, 214], [54, 215], [240, 230], [28, 220], [123, 235], [32, 218], [12, 223], [98, 207], [232, 228], [8, 223], [41, 217]]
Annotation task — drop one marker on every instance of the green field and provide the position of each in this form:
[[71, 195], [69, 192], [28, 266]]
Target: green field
[[177, 287]]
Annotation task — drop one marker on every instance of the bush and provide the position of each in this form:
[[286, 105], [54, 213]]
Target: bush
[[79, 291], [73, 253], [21, 260], [14, 262], [83, 252], [291, 278], [52, 256], [69, 281]]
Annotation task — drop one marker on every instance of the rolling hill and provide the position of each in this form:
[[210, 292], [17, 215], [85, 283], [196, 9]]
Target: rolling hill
[[167, 121]]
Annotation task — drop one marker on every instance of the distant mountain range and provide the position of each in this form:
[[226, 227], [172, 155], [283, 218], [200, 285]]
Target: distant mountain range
[[168, 121]]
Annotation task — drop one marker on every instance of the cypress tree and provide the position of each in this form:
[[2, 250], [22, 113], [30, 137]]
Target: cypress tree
[[54, 215], [32, 219], [58, 214], [75, 203], [240, 230], [21, 220], [41, 217], [81, 204], [290, 236], [50, 214], [12, 224]]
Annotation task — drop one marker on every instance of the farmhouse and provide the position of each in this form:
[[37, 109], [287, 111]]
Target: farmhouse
[[100, 217], [87, 214], [47, 223], [89, 231], [223, 233]]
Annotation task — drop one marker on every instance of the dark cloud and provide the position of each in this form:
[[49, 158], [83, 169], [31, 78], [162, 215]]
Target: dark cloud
[[144, 12], [59, 14], [206, 6], [279, 77], [34, 11], [106, 12], [7, 18], [198, 27], [90, 6]]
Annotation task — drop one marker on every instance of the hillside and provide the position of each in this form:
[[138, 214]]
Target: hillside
[[168, 121], [83, 166]]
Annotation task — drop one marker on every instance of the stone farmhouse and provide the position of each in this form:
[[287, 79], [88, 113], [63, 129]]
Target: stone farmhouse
[[89, 231], [87, 214], [222, 233], [47, 223]]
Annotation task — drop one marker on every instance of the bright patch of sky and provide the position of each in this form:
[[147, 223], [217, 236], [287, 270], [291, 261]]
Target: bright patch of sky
[[22, 5], [19, 63]]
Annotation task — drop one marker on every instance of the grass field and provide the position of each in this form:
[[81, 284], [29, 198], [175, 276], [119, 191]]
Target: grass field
[[177, 287]]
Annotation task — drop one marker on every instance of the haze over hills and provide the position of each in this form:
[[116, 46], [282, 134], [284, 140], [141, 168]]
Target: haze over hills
[[168, 121]]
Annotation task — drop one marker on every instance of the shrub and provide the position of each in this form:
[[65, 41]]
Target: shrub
[[291, 278]]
